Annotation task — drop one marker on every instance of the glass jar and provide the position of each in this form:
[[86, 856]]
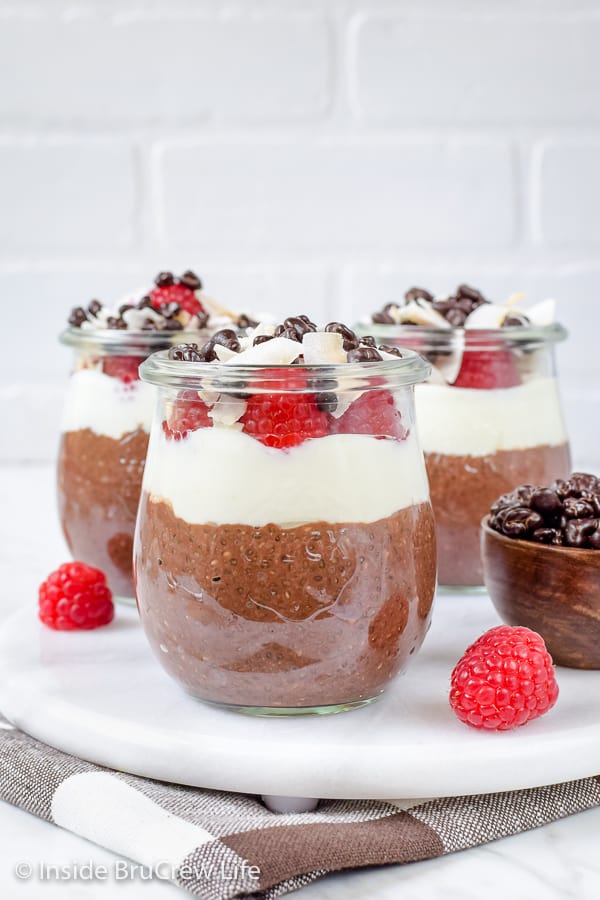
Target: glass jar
[[284, 579], [489, 419], [105, 429]]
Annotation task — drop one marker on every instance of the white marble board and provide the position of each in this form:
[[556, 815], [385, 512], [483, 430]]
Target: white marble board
[[102, 696]]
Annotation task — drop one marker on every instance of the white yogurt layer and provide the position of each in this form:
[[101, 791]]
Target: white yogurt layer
[[106, 405], [220, 476], [468, 422]]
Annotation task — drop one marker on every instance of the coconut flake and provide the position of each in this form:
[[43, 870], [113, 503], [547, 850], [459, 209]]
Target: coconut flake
[[209, 397], [395, 313], [227, 410], [543, 313], [449, 363], [344, 401], [245, 342], [137, 318], [322, 348], [415, 314], [215, 309], [385, 355], [280, 351], [263, 327], [224, 353], [488, 315]]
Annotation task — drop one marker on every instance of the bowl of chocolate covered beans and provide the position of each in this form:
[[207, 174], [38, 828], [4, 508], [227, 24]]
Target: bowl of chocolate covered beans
[[541, 559]]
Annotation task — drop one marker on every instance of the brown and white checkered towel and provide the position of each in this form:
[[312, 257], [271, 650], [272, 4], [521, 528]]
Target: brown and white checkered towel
[[219, 846]]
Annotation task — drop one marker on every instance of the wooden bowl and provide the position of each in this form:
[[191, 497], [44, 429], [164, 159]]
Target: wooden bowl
[[552, 590]]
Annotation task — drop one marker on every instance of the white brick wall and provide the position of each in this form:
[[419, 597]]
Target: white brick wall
[[67, 195], [476, 68], [567, 194], [160, 66], [338, 195], [302, 155]]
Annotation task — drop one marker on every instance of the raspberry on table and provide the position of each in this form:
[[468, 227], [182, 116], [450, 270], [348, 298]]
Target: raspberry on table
[[187, 414], [503, 680], [75, 597], [178, 293], [374, 413], [125, 368]]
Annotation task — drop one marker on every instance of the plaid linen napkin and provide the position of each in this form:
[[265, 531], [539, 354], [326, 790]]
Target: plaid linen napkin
[[219, 845]]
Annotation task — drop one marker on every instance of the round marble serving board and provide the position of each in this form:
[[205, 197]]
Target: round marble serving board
[[102, 696]]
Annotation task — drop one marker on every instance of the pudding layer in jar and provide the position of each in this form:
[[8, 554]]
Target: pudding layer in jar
[[489, 416], [281, 564], [509, 435], [108, 412]]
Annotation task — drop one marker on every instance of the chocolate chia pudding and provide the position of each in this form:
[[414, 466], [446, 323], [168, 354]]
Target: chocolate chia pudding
[[108, 413], [489, 416], [321, 614], [99, 484], [285, 544], [462, 490]]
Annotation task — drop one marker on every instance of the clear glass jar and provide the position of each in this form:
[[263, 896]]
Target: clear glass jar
[[489, 419], [104, 437], [284, 580]]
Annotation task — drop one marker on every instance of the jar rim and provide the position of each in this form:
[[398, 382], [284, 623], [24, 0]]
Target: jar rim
[[407, 370], [125, 342], [471, 338]]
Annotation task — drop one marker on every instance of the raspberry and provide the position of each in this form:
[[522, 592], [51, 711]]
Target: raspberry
[[284, 420], [125, 368], [178, 293], [75, 597], [375, 413], [505, 679], [487, 369], [188, 414]]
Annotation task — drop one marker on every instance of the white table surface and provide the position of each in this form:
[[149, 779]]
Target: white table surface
[[558, 861]]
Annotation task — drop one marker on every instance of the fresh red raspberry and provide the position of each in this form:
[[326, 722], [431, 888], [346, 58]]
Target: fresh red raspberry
[[75, 597], [187, 414], [125, 368], [181, 294], [488, 369], [375, 413], [505, 679], [285, 420]]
